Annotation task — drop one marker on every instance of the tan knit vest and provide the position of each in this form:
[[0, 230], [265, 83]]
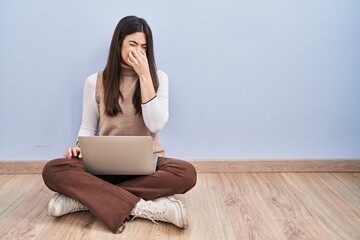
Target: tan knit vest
[[126, 123]]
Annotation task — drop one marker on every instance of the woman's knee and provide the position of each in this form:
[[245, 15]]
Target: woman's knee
[[183, 172], [190, 175], [51, 171]]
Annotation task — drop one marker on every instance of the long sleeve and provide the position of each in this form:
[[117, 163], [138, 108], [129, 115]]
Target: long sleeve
[[156, 111], [90, 114]]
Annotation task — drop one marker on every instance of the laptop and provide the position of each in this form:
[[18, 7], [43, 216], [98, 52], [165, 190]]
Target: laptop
[[118, 155]]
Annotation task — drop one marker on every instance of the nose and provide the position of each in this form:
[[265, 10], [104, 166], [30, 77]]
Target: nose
[[140, 48]]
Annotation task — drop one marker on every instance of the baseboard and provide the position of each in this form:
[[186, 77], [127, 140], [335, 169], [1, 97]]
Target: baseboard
[[308, 165], [228, 166], [21, 167]]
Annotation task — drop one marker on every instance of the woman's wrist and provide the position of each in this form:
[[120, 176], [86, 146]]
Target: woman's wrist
[[149, 100]]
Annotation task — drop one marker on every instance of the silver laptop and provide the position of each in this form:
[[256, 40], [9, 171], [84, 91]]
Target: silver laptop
[[118, 155]]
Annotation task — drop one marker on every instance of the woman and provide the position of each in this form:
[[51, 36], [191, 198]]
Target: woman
[[130, 97]]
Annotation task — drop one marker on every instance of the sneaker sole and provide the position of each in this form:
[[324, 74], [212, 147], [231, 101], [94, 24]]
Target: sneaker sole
[[183, 211]]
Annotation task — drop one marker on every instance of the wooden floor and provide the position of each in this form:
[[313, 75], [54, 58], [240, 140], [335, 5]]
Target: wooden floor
[[221, 206]]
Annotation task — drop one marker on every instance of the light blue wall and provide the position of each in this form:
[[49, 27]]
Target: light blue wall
[[248, 79]]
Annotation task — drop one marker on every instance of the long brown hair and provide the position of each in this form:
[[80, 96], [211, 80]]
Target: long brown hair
[[111, 75]]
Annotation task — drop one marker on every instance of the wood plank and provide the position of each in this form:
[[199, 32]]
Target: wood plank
[[347, 190], [249, 216], [24, 206], [208, 217], [12, 190], [328, 208], [351, 180], [218, 166], [294, 218]]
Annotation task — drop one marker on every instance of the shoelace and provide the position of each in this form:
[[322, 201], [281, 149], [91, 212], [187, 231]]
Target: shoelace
[[149, 208], [79, 206]]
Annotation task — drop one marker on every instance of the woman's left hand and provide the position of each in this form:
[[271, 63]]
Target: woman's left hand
[[139, 62]]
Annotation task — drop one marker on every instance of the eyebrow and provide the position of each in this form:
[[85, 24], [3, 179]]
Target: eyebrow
[[135, 42]]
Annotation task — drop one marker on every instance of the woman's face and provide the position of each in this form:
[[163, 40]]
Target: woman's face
[[132, 42]]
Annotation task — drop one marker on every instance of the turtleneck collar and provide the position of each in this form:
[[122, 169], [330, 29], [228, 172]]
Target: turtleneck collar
[[127, 71]]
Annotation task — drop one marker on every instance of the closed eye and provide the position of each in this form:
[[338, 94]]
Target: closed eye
[[132, 43]]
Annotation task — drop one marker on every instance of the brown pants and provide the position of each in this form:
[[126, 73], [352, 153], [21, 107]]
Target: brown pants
[[111, 198]]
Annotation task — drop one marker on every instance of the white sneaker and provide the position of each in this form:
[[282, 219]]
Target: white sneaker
[[60, 205], [166, 209]]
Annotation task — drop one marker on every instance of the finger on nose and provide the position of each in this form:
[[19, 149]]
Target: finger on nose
[[133, 55]]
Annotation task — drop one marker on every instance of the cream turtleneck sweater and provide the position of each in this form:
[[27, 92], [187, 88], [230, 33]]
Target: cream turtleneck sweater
[[154, 113]]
